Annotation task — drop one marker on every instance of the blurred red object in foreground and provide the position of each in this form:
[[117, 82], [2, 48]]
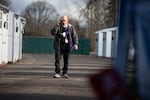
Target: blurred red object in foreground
[[109, 86]]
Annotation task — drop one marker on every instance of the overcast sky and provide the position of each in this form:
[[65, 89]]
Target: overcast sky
[[63, 6]]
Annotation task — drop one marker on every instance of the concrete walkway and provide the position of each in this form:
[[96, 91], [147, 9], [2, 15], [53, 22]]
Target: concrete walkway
[[32, 78]]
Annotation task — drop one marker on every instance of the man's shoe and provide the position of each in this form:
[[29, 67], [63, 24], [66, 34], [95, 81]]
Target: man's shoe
[[65, 76], [57, 75]]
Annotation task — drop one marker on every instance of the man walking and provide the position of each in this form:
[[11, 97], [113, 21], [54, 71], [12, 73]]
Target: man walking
[[66, 38]]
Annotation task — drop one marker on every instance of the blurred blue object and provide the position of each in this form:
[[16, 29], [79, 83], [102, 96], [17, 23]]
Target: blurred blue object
[[134, 25]]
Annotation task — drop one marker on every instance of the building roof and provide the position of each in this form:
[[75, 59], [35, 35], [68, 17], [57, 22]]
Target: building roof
[[2, 7]]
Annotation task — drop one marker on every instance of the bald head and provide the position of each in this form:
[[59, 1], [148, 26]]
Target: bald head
[[64, 20], [64, 17]]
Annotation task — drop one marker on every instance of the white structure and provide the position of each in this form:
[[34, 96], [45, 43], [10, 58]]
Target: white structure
[[16, 29], [4, 21], [11, 31], [21, 32], [106, 41]]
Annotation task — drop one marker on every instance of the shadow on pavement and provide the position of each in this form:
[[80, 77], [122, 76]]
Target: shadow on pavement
[[24, 96]]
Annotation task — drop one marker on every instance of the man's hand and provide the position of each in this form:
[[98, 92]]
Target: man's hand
[[76, 47], [58, 23]]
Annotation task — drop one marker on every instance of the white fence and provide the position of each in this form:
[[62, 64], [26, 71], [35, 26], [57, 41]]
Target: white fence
[[11, 30]]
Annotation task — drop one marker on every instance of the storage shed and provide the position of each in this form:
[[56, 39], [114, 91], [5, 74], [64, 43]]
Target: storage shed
[[16, 29], [106, 42], [4, 21], [11, 30]]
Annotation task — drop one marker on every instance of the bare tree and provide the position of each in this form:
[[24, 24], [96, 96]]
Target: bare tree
[[5, 2], [79, 29], [39, 16], [110, 14], [99, 14]]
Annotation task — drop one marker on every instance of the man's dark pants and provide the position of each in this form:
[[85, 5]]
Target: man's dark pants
[[58, 55]]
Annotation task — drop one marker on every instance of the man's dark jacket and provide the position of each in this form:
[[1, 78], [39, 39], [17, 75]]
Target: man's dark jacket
[[73, 37]]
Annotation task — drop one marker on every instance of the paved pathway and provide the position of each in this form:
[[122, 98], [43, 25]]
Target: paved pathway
[[32, 78]]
